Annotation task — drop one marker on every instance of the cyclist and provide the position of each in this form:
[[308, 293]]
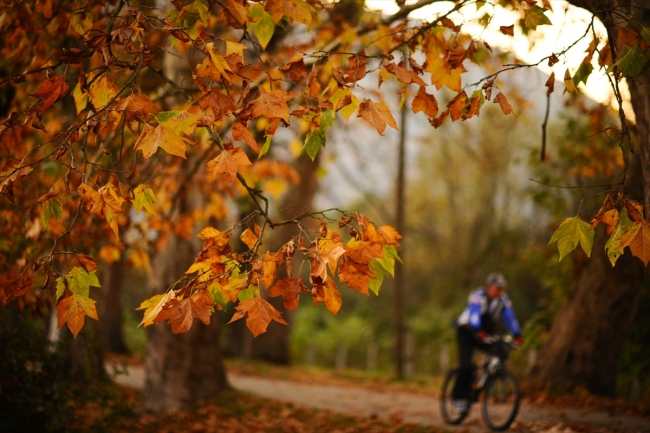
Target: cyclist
[[485, 307]]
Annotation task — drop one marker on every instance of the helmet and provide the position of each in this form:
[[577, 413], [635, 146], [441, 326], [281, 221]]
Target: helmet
[[496, 279]]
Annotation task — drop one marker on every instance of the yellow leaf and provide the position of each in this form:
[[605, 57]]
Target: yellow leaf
[[153, 306], [161, 136], [227, 164], [220, 64], [109, 254], [73, 309], [140, 259], [102, 91]]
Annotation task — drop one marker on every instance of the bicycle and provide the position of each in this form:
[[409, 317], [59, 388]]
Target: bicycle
[[500, 387]]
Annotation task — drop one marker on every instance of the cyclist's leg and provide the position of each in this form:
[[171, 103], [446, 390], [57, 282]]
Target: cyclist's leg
[[465, 378]]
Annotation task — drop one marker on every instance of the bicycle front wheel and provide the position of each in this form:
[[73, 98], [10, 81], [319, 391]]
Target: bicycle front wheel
[[501, 400], [447, 402]]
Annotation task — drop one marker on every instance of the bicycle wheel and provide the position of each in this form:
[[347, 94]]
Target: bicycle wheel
[[447, 402], [501, 400]]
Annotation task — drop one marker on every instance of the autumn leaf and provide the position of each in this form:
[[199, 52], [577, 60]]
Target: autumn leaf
[[573, 231], [136, 105], [404, 75], [534, 17], [262, 24], [88, 263], [508, 30], [327, 293], [239, 132], [73, 309], [102, 91], [289, 289], [77, 281], [181, 314], [144, 198], [51, 206], [457, 105], [249, 237], [377, 114], [569, 85], [227, 164], [219, 63], [613, 246], [89, 197], [297, 9], [550, 84], [503, 103], [140, 260], [317, 138], [109, 254], [272, 104], [51, 91], [259, 314], [295, 68], [161, 136], [153, 306], [637, 238], [425, 103]]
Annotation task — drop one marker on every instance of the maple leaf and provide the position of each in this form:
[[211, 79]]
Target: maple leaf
[[153, 306], [161, 136], [51, 91], [327, 293], [571, 232], [181, 314], [239, 132], [569, 85], [88, 263], [144, 197], [262, 24], [613, 246], [219, 63], [378, 115], [51, 206], [508, 30], [259, 314], [295, 67], [266, 269], [425, 103], [404, 75], [637, 238], [550, 84], [249, 237], [73, 309], [227, 164], [89, 197], [457, 105], [10, 136], [296, 9], [324, 254], [289, 289], [6, 186], [534, 17], [503, 103], [77, 281], [136, 105], [102, 91], [272, 104]]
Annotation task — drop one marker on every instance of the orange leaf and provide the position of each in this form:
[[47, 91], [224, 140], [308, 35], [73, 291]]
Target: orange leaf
[[425, 103], [637, 238], [295, 67], [52, 90], [109, 254], [436, 122], [377, 115], [73, 309], [259, 314], [250, 238], [404, 75], [296, 9], [227, 164], [86, 262], [135, 105], [550, 84], [161, 136], [181, 314], [503, 103], [272, 104], [457, 105], [239, 132], [355, 275], [89, 197], [328, 293], [289, 289]]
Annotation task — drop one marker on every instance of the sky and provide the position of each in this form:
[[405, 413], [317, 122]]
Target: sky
[[569, 23]]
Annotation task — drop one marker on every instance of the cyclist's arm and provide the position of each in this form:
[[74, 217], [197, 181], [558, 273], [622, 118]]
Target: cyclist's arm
[[474, 308], [509, 319]]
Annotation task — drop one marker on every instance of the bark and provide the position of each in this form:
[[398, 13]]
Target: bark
[[586, 338], [111, 314], [186, 368]]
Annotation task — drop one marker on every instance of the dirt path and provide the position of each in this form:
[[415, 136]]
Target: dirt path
[[415, 408]]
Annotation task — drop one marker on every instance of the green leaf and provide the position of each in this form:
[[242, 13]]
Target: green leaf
[[144, 197], [613, 245], [178, 121], [573, 231], [535, 17], [378, 270], [317, 139], [267, 145], [217, 295], [645, 33], [248, 293], [199, 8], [631, 62], [582, 73], [262, 24], [79, 282], [51, 207]]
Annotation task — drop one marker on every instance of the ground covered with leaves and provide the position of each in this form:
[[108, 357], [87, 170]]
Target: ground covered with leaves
[[232, 412]]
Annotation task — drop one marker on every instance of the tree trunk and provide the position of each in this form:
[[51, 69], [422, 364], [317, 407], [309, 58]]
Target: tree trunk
[[185, 368], [585, 341], [111, 314], [586, 338]]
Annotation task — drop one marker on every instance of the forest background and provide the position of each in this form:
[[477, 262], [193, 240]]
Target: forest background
[[463, 201]]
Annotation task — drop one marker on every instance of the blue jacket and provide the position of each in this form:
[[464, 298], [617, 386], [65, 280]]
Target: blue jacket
[[482, 313]]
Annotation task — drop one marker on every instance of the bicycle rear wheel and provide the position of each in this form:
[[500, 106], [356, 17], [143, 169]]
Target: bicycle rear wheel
[[447, 402], [501, 400]]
